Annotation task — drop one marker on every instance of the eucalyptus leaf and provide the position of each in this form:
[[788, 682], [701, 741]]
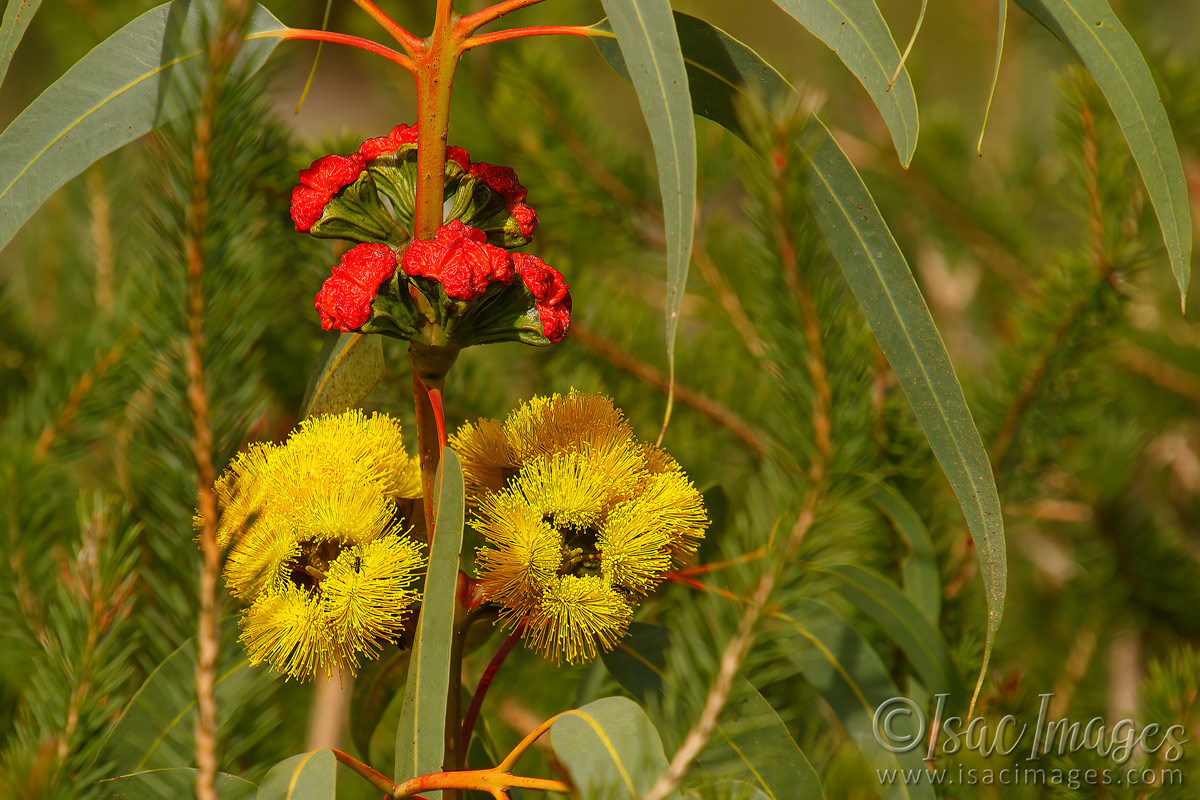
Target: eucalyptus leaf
[[918, 567], [348, 369], [885, 289], [653, 61], [1091, 30], [610, 749], [852, 680], [922, 643], [308, 776], [155, 784], [109, 98], [17, 16], [857, 32], [639, 660], [420, 736]]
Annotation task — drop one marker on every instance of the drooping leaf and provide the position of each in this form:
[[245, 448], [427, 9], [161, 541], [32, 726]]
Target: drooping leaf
[[754, 742], [895, 614], [420, 737], [987, 110], [17, 16], [858, 33], [852, 680], [922, 583], [308, 776], [638, 660], [653, 62], [157, 728], [155, 784], [880, 278], [610, 749], [1091, 30], [349, 368], [106, 100]]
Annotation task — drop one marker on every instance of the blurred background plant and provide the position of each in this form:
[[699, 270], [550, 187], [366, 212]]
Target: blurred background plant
[[1042, 263]]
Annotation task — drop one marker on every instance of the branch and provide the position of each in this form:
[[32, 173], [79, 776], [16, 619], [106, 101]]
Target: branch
[[338, 38], [473, 22], [411, 43], [524, 33]]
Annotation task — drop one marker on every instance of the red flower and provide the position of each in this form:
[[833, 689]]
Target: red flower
[[345, 298], [460, 259], [386, 145], [551, 292], [324, 178], [500, 179], [526, 218]]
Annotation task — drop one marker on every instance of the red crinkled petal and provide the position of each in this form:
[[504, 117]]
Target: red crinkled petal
[[345, 298], [556, 319], [461, 156], [331, 173], [526, 218], [308, 205], [401, 135], [544, 282], [459, 259], [500, 179]]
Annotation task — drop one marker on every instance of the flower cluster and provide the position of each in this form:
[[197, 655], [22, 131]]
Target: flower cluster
[[368, 197], [580, 520], [313, 531]]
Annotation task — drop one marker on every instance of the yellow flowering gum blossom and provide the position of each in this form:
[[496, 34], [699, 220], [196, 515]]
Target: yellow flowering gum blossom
[[580, 520], [313, 535]]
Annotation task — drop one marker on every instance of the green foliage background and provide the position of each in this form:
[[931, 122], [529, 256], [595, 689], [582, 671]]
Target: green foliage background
[[1042, 264]]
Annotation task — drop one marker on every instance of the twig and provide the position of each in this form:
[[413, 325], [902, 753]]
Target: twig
[[611, 352], [222, 48], [522, 33], [473, 22], [485, 682]]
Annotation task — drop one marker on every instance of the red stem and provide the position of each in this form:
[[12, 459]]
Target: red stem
[[485, 681], [411, 43], [338, 38], [521, 33], [473, 22]]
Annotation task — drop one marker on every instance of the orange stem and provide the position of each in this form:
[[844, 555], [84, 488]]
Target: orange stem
[[473, 22], [487, 780], [338, 38], [521, 33], [411, 43]]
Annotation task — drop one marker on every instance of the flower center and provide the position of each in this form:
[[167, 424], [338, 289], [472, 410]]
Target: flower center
[[308, 569]]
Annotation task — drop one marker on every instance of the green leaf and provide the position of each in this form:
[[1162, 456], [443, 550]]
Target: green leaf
[[155, 784], [420, 737], [157, 727], [1091, 30], [651, 51], [349, 368], [892, 303], [852, 680], [308, 776], [639, 660], [610, 749], [921, 642], [109, 98], [756, 743], [17, 16], [881, 281], [858, 33], [919, 569]]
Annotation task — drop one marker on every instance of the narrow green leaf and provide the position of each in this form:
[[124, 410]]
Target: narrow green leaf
[[755, 742], [17, 16], [155, 784], [892, 303], [922, 643], [157, 727], [639, 660], [109, 98], [349, 368], [858, 33], [308, 776], [610, 749], [853, 681], [881, 281], [420, 737], [1091, 30], [987, 110], [650, 46], [919, 569]]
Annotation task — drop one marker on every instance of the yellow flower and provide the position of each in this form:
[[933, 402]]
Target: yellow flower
[[580, 520], [312, 536]]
